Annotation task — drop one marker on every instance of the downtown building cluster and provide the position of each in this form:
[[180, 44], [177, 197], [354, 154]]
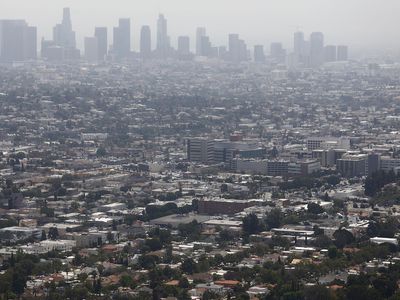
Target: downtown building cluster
[[99, 47]]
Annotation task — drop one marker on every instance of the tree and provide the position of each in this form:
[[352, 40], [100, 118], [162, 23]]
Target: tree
[[53, 233], [97, 286], [322, 241], [77, 292], [19, 279], [43, 237], [9, 183], [49, 212], [74, 206], [274, 219], [184, 283], [377, 180], [333, 180], [224, 188], [225, 236], [164, 235], [314, 208], [251, 224], [326, 197], [188, 266], [154, 244], [317, 292], [126, 281], [385, 285], [362, 292], [78, 260], [168, 255], [148, 261], [332, 252], [191, 230], [203, 264], [209, 295], [183, 295], [110, 236], [11, 261], [386, 228], [318, 231], [343, 237], [101, 151]]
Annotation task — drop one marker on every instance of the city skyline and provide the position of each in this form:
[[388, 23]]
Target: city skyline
[[270, 22], [306, 53]]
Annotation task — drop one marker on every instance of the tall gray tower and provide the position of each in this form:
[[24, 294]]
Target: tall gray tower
[[63, 35], [145, 42], [163, 44], [122, 38], [316, 49]]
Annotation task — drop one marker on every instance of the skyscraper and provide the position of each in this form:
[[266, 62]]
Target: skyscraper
[[145, 42], [183, 45], [299, 48], [64, 41], [63, 35], [223, 53], [18, 41], [298, 42], [234, 47], [243, 54], [122, 39], [50, 51], [278, 53], [205, 46], [316, 49], [330, 53], [259, 55], [200, 32], [342, 53], [92, 49], [163, 45], [101, 34]]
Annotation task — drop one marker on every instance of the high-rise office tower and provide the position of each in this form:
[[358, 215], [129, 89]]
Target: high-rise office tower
[[259, 55], [92, 49], [299, 48], [243, 53], [306, 57], [101, 34], [183, 45], [163, 45], [330, 53], [18, 41], [30, 42], [50, 51], [145, 42], [205, 46], [214, 52], [122, 39], [276, 49], [234, 47], [316, 49], [63, 45], [63, 35], [298, 42], [223, 53], [278, 53], [342, 53], [200, 150], [200, 32]]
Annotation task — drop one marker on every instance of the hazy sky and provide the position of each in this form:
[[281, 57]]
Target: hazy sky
[[358, 23]]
